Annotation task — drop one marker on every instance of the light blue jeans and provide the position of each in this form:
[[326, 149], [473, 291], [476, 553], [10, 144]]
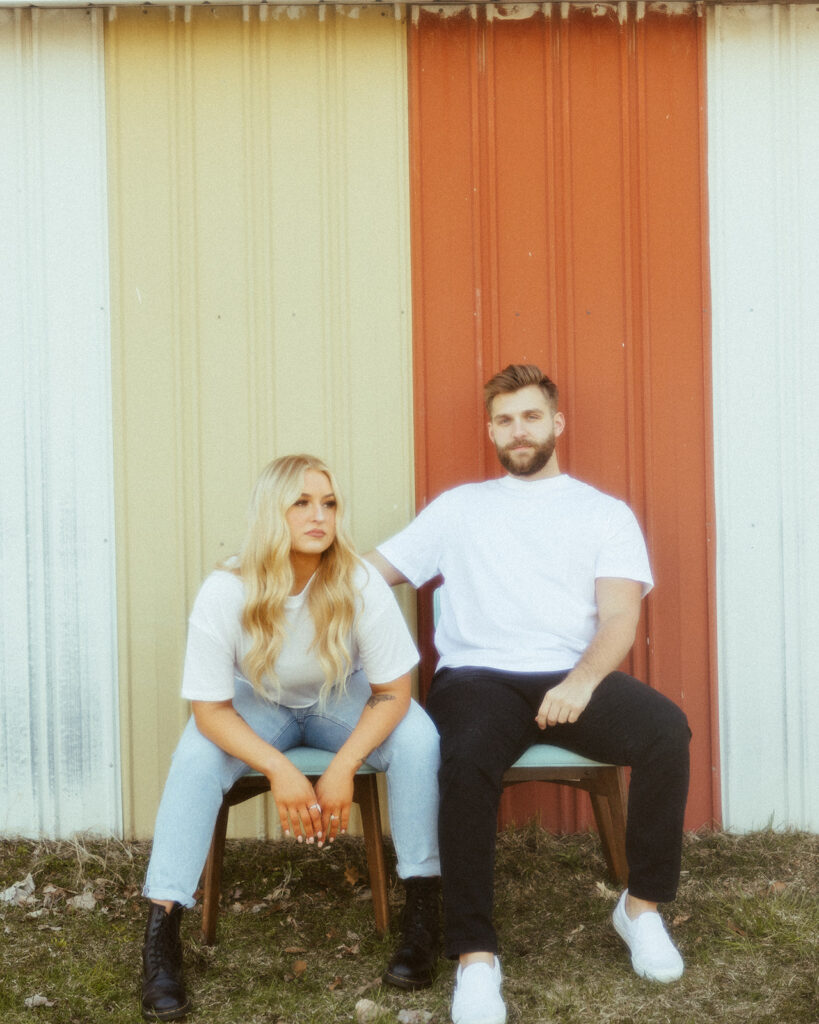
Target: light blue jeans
[[201, 773]]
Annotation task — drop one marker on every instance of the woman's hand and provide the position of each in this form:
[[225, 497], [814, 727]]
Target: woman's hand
[[296, 800], [298, 804], [386, 706], [334, 791]]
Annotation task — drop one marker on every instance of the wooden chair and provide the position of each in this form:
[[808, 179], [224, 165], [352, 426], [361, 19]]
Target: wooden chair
[[313, 763], [605, 784]]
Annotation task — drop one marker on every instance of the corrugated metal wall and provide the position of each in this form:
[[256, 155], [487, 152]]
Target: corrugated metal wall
[[260, 254], [559, 217], [259, 209], [59, 737], [763, 69]]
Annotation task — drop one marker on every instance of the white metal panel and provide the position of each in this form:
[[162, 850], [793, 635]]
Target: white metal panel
[[59, 747], [763, 109]]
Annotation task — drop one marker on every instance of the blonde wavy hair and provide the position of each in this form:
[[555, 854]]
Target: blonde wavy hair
[[265, 569]]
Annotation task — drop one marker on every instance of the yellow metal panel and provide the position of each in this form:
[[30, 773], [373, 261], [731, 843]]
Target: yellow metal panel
[[260, 285]]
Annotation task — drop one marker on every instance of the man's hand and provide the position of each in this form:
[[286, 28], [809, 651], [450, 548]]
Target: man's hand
[[618, 610], [565, 702]]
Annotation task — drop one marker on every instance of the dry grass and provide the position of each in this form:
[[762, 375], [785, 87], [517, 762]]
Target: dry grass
[[297, 944]]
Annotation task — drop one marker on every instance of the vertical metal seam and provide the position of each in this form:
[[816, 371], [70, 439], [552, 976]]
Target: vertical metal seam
[[489, 207], [708, 412], [250, 196], [477, 31], [631, 210], [551, 82], [417, 245], [566, 221]]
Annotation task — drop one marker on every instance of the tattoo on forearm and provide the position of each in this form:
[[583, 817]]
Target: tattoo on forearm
[[377, 698]]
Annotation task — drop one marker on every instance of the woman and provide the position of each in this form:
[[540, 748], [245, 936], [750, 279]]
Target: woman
[[295, 642]]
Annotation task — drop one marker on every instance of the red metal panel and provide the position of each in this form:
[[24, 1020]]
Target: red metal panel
[[559, 217]]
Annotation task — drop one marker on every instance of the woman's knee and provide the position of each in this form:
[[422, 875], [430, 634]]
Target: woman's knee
[[415, 739]]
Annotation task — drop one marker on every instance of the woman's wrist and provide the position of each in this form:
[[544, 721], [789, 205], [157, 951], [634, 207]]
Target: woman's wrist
[[348, 762]]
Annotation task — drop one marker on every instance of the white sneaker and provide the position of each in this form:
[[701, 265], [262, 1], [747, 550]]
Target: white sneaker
[[653, 954], [477, 998]]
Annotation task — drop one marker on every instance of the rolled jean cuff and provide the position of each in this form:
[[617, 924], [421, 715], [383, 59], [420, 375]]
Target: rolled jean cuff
[[427, 869], [163, 895]]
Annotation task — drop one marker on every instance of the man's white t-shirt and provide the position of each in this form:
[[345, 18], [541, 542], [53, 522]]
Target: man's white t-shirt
[[217, 644], [519, 560]]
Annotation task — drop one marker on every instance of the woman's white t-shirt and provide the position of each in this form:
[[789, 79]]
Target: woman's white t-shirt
[[380, 643]]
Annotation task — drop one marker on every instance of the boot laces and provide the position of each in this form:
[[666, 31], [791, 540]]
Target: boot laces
[[163, 948], [419, 908]]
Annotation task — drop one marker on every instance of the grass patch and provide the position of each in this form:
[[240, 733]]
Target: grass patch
[[296, 943]]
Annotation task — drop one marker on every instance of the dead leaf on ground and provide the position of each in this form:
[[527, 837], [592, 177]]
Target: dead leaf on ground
[[84, 901], [605, 891], [20, 893], [295, 949], [351, 874], [367, 986], [736, 929], [337, 982], [299, 967], [778, 886], [680, 919]]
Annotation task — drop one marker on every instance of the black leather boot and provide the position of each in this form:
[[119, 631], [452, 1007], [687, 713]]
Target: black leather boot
[[163, 991], [413, 963]]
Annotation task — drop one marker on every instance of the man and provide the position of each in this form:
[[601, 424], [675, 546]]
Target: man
[[543, 578]]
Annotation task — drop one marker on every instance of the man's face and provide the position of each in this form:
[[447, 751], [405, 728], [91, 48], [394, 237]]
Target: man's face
[[524, 430]]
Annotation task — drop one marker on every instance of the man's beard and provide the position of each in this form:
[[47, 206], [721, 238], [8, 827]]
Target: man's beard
[[526, 463]]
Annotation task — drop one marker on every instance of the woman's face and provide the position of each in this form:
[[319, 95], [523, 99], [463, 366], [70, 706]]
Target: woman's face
[[312, 517]]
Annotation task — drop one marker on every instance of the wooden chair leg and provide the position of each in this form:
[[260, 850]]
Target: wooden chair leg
[[366, 796], [212, 876], [608, 797]]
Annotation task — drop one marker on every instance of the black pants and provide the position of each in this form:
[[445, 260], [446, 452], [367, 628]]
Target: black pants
[[486, 719]]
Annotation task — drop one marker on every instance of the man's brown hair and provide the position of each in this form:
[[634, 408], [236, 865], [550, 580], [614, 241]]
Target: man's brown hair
[[515, 377]]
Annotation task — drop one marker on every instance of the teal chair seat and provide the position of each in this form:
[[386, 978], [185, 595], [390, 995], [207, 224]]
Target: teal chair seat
[[312, 762]]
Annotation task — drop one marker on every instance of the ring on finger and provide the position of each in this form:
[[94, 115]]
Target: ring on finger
[[317, 807]]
